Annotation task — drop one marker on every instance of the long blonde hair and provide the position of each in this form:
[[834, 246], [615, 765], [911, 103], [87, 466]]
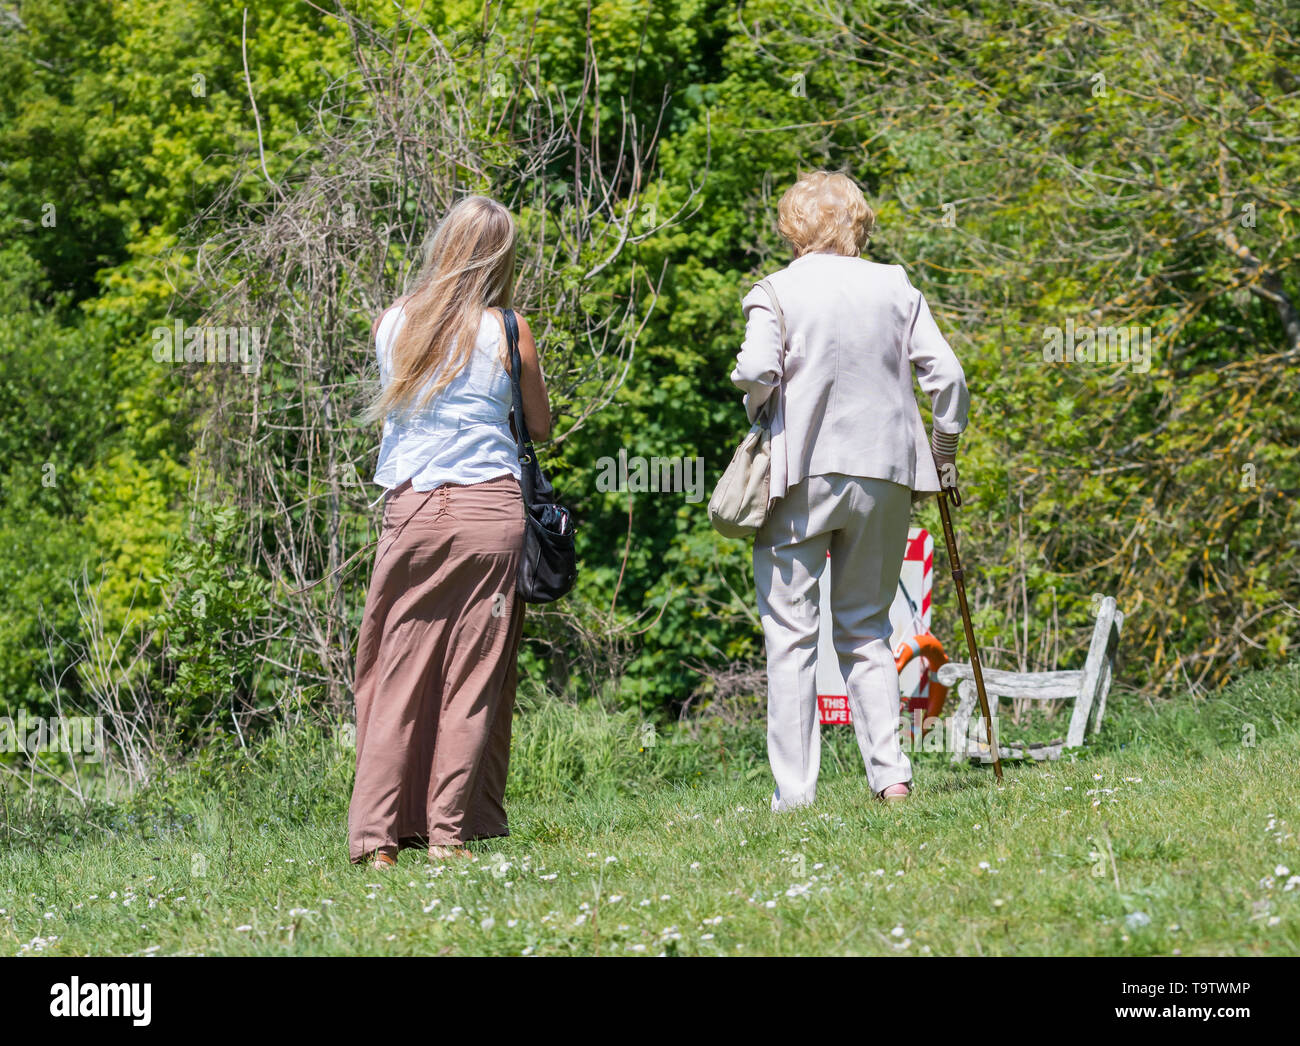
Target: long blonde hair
[[469, 264]]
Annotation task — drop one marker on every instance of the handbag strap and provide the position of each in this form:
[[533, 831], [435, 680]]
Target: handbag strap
[[523, 441], [766, 284], [532, 483]]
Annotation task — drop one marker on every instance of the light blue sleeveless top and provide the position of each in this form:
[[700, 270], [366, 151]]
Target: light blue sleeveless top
[[463, 435]]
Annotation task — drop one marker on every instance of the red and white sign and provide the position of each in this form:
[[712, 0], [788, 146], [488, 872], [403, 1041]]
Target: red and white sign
[[909, 615]]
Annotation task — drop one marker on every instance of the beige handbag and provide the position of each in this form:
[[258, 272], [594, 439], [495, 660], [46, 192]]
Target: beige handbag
[[740, 503]]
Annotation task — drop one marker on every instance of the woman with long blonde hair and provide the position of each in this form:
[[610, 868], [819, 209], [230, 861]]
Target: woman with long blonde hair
[[435, 672]]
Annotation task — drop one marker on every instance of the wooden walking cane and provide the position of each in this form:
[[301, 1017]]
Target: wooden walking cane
[[958, 579]]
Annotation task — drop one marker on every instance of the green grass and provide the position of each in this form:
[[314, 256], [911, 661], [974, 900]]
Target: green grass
[[622, 851]]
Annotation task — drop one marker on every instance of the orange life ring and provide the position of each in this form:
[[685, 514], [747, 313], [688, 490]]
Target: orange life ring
[[927, 646]]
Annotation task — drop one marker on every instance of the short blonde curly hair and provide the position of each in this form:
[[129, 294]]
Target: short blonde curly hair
[[825, 211]]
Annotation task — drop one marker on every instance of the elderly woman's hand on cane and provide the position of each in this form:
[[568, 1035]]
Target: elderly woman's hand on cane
[[944, 451]]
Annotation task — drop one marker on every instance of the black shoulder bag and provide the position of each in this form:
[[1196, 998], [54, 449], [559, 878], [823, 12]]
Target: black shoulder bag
[[549, 566]]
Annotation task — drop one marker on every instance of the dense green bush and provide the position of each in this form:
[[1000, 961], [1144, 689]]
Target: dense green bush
[[209, 634]]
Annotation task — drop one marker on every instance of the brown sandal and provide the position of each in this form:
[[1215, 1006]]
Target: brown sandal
[[380, 860]]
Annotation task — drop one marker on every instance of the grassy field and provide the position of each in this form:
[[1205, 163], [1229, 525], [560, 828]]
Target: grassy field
[[1174, 834]]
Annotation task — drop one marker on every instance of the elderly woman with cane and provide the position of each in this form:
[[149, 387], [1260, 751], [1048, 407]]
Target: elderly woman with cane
[[834, 341]]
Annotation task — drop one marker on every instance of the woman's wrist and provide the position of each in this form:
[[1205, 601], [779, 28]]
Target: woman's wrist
[[944, 443]]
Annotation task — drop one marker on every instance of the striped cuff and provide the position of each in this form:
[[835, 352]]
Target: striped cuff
[[944, 442]]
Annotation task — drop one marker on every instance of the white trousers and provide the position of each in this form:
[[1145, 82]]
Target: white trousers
[[863, 523]]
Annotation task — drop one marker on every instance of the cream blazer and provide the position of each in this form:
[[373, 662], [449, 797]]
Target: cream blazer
[[856, 332]]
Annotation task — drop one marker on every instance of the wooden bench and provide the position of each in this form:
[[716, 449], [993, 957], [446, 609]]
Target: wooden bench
[[1088, 687]]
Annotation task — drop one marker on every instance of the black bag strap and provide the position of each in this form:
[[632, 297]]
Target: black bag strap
[[533, 484], [523, 442]]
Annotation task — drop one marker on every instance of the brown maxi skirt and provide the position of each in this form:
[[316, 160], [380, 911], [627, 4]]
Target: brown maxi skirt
[[435, 677]]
